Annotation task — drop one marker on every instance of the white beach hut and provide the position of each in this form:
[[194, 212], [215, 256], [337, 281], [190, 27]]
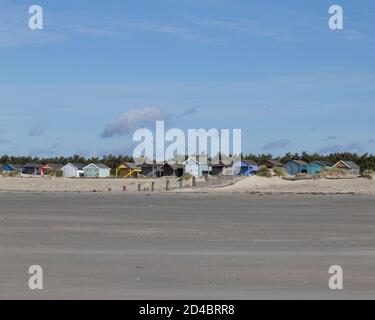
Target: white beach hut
[[73, 170]]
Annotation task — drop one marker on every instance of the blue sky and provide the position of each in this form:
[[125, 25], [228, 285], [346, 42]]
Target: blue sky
[[271, 68]]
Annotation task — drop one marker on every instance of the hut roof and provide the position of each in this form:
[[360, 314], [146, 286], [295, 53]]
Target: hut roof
[[177, 166], [54, 166], [300, 162], [32, 165], [250, 162], [131, 165], [191, 158], [14, 166], [275, 163], [78, 166], [98, 165], [350, 164], [324, 163]]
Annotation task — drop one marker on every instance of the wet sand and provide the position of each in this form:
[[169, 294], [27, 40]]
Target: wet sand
[[186, 246]]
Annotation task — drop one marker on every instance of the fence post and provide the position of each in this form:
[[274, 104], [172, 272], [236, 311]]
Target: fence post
[[139, 187], [153, 186], [167, 185], [181, 183], [194, 182]]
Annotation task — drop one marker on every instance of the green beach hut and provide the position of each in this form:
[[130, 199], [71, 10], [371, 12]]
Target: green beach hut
[[97, 170]]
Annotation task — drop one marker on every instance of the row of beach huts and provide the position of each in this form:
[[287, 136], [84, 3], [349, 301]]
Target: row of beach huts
[[190, 166]]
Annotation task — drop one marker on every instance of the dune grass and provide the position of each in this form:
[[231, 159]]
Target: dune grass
[[264, 172], [368, 174]]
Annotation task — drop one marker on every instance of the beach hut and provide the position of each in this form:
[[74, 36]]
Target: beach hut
[[165, 170], [150, 169], [11, 167], [196, 169], [168, 170], [221, 168], [217, 168], [270, 164], [253, 167], [296, 167], [227, 169], [31, 168], [348, 166], [73, 170], [97, 170], [317, 166], [146, 169], [128, 170], [178, 169], [245, 168], [45, 170], [56, 166], [49, 168]]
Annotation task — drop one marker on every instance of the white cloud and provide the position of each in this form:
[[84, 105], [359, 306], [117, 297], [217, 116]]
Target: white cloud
[[131, 120]]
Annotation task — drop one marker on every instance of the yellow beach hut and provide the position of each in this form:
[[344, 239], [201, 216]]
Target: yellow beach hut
[[128, 170]]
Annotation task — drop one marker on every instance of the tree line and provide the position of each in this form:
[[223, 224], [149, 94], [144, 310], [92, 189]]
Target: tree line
[[110, 160], [365, 161]]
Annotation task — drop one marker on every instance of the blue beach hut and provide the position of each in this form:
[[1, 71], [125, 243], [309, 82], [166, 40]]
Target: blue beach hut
[[11, 167], [317, 166], [296, 167], [245, 168]]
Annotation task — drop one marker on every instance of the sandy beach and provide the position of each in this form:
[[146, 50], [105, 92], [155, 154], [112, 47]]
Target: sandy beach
[[52, 184], [253, 184]]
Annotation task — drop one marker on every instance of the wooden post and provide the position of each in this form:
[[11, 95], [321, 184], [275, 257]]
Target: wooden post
[[167, 185], [139, 187], [181, 181], [124, 188], [153, 186], [194, 183]]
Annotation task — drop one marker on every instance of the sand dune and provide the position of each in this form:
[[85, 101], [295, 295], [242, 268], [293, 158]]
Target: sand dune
[[326, 186]]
